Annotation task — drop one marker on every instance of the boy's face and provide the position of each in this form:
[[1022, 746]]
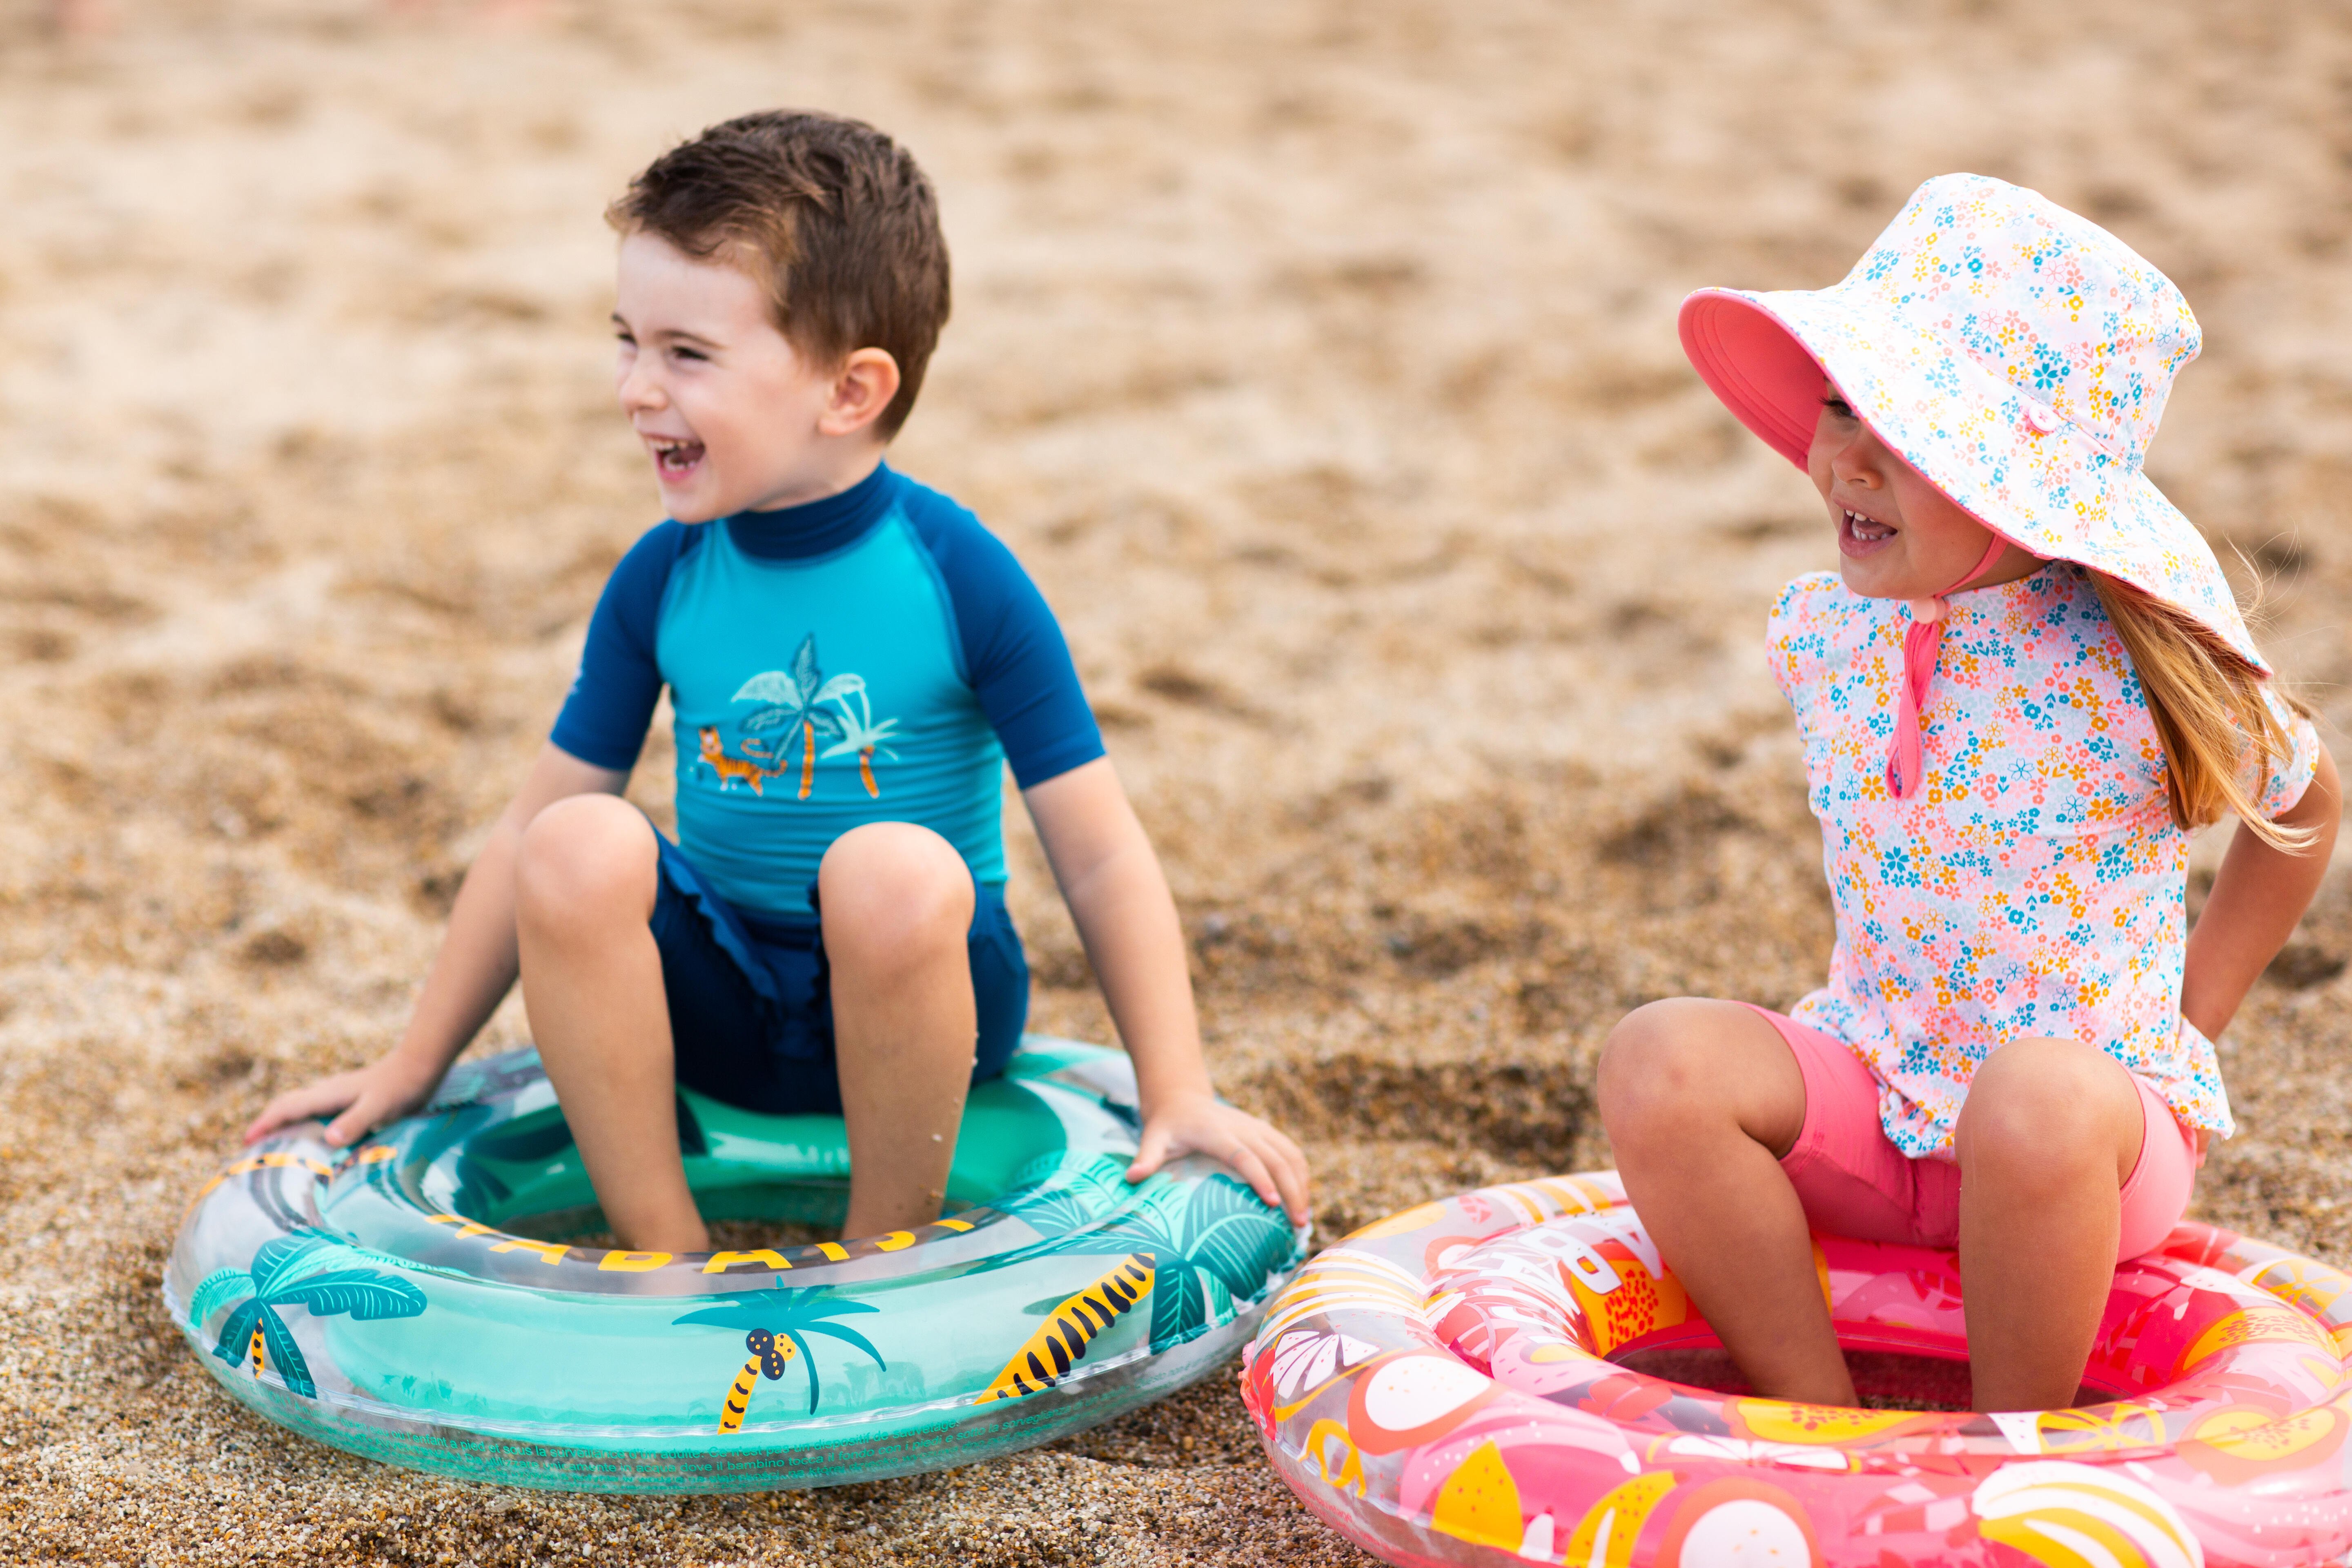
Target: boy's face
[[734, 418]]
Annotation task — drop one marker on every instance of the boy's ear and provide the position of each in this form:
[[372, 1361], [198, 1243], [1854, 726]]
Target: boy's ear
[[862, 389]]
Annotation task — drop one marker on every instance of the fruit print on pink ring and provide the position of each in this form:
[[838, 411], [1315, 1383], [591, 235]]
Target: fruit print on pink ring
[[1469, 1403], [1409, 1399], [1738, 1523]]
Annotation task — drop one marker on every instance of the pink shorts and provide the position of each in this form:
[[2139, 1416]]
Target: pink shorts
[[1854, 1182]]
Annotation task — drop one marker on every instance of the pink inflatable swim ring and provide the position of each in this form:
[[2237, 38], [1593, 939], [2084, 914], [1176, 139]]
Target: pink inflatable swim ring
[[1463, 1383]]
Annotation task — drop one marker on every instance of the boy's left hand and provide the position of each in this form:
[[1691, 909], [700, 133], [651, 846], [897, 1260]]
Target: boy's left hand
[[1203, 1124]]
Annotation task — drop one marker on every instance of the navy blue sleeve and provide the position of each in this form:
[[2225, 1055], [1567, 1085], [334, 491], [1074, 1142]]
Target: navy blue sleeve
[[611, 698], [1013, 651]]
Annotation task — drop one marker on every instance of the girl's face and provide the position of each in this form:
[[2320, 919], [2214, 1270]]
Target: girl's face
[[1898, 536]]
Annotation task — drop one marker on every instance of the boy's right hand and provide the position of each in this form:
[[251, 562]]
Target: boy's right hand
[[384, 1090]]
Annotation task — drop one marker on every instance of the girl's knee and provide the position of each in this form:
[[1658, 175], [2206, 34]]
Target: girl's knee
[[2049, 1109], [585, 857], [1658, 1059], [1691, 1072], [890, 886]]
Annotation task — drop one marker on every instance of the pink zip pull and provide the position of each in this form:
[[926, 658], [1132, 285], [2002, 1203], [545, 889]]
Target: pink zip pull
[[1922, 640]]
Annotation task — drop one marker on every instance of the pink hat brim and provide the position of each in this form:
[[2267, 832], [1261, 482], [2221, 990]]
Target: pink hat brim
[[1756, 366], [1755, 361], [1763, 373]]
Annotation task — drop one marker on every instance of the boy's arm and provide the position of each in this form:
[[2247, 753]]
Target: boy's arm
[[2256, 900], [470, 976], [1127, 918]]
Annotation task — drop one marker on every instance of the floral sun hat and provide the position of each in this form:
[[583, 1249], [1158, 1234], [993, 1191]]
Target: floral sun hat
[[2016, 355]]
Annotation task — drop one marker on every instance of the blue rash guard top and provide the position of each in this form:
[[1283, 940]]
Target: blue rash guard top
[[877, 655]]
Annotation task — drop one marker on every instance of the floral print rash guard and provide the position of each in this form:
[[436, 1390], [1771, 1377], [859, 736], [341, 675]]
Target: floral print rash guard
[[2036, 885]]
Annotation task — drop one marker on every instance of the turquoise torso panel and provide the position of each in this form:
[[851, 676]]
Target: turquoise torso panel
[[813, 697], [877, 655]]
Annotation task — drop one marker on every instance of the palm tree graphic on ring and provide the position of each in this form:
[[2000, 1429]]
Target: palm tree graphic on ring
[[287, 1271], [1191, 1257], [777, 1324], [794, 699]]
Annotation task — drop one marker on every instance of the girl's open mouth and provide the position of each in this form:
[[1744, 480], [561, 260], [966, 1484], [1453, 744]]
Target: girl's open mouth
[[1860, 535], [674, 461]]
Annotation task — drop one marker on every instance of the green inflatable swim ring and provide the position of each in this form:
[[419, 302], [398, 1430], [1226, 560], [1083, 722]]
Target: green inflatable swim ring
[[411, 1298]]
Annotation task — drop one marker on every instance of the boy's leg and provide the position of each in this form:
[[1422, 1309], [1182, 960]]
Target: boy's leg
[[897, 903], [592, 982], [2047, 1138], [1701, 1099]]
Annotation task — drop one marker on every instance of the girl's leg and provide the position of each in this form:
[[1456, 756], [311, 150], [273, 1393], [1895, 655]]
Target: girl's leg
[[897, 903], [1701, 1099], [592, 981], [2047, 1137]]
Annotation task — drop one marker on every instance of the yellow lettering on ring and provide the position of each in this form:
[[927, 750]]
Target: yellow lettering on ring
[[722, 1261], [549, 1251], [465, 1227], [634, 1262]]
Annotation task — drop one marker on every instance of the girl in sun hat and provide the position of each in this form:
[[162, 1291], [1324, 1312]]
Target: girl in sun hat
[[2024, 687]]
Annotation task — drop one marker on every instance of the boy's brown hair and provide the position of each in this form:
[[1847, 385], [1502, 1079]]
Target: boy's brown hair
[[833, 217]]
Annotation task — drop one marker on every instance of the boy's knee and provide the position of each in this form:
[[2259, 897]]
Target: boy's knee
[[588, 855], [891, 886]]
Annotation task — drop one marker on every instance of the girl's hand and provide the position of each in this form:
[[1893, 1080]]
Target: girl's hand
[[2258, 896], [384, 1090], [1198, 1124]]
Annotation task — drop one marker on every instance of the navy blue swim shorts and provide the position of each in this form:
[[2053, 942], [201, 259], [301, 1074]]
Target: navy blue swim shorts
[[750, 1006]]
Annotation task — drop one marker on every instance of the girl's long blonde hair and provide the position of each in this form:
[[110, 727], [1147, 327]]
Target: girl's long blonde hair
[[2209, 711]]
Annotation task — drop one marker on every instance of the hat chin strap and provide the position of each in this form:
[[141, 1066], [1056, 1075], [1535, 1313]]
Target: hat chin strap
[[1921, 642]]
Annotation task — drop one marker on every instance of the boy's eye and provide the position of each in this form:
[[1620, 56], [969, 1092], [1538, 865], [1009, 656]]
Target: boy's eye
[[1838, 405], [688, 353]]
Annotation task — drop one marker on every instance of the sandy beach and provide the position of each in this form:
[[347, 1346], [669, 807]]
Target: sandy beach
[[1318, 358]]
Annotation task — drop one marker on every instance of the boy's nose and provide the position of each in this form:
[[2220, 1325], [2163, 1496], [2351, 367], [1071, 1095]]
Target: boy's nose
[[641, 389]]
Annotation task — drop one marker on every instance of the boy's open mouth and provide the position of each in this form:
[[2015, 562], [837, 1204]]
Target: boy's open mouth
[[1858, 535], [676, 459]]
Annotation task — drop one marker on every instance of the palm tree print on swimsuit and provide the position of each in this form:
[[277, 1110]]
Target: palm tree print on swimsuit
[[793, 700], [860, 733], [1188, 1254], [777, 1324], [295, 1272]]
